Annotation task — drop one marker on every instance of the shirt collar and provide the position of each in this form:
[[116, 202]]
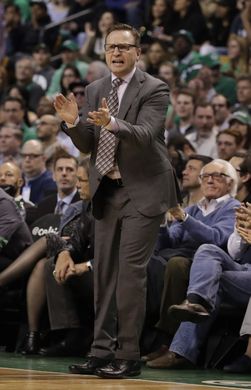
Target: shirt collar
[[67, 199], [204, 202], [126, 78]]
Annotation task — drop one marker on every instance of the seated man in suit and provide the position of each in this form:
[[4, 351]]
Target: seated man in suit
[[65, 169], [38, 180], [11, 181]]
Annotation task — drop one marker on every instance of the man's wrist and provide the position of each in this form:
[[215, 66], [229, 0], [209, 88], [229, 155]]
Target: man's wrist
[[109, 121]]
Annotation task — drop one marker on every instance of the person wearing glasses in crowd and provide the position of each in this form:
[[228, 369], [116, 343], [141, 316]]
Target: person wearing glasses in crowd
[[128, 201], [38, 180], [210, 221]]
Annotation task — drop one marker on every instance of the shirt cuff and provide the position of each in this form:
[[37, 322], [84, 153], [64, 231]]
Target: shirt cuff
[[70, 125]]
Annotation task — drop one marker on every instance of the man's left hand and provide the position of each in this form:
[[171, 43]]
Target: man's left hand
[[101, 117]]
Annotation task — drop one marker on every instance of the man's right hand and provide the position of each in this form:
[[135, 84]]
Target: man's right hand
[[66, 108], [64, 266]]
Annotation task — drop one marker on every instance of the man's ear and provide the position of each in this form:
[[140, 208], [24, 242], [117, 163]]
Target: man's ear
[[20, 182], [245, 177]]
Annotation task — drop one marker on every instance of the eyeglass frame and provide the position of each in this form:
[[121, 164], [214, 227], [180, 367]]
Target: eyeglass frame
[[214, 176], [118, 46]]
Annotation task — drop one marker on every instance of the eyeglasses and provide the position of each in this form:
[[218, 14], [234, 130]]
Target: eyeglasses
[[31, 156], [214, 176], [122, 47]]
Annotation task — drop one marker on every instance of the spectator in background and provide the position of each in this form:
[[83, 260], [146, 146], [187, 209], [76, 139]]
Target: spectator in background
[[78, 89], [14, 233], [223, 85], [242, 163], [243, 89], [184, 109], [238, 54], [13, 111], [241, 24], [13, 30], [187, 61], [4, 80], [222, 112], [22, 93], [188, 16], [212, 222], [69, 56], [156, 53], [69, 75], [158, 23], [11, 139], [11, 181], [43, 71], [38, 180], [229, 142], [221, 21], [96, 70], [191, 184], [204, 139], [170, 74], [24, 71], [45, 106], [93, 46], [34, 32], [65, 176], [179, 149], [47, 131], [241, 121]]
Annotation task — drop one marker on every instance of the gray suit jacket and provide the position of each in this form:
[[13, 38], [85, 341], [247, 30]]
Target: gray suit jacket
[[141, 153]]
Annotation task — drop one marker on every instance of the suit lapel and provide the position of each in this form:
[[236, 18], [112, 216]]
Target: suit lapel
[[130, 94]]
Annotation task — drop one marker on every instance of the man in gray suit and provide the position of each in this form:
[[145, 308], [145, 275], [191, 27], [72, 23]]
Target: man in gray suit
[[129, 198]]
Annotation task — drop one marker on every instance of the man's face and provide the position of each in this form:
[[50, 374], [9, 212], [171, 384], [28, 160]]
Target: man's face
[[41, 57], [47, 127], [181, 47], [9, 144], [190, 174], [24, 71], [204, 120], [68, 56], [221, 110], [226, 146], [33, 161], [244, 92], [10, 175], [65, 175], [184, 106], [212, 187], [83, 183], [241, 127], [121, 62], [13, 112]]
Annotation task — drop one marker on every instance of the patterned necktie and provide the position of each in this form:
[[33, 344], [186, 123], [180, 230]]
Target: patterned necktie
[[106, 146], [60, 207]]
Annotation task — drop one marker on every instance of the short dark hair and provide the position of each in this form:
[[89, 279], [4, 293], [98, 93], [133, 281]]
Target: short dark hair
[[125, 27], [186, 91], [234, 133], [85, 163], [62, 153], [245, 167], [201, 157], [15, 99]]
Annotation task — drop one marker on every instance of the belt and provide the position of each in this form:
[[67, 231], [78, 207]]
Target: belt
[[113, 182]]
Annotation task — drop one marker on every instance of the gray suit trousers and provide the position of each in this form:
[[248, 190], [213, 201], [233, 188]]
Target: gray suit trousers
[[124, 241]]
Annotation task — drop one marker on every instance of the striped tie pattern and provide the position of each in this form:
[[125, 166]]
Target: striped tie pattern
[[106, 146]]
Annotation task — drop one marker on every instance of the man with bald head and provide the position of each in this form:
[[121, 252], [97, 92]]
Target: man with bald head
[[38, 180], [11, 181]]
